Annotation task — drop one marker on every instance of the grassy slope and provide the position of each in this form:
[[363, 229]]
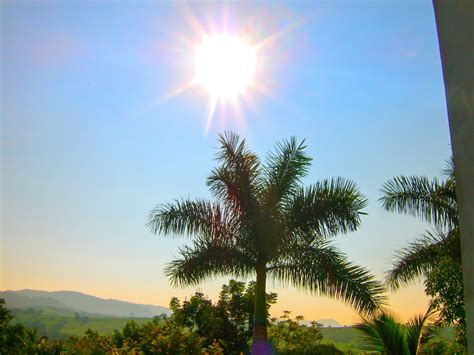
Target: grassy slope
[[58, 325], [344, 338]]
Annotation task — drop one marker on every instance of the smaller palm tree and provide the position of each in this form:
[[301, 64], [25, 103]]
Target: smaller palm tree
[[385, 334], [435, 255], [434, 202]]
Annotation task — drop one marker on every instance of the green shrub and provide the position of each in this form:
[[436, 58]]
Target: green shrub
[[290, 336], [14, 339], [441, 347]]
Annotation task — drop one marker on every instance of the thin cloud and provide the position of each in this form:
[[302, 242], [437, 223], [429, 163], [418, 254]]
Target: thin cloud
[[409, 53]]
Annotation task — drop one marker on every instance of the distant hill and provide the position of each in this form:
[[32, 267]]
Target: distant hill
[[70, 302], [329, 322]]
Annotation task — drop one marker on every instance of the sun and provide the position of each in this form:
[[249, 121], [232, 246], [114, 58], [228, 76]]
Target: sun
[[229, 65], [225, 65]]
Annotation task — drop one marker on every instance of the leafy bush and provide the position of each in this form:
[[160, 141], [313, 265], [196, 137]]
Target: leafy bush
[[156, 336], [229, 322], [441, 347], [14, 339], [290, 336]]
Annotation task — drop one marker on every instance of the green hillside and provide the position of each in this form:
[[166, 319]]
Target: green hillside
[[73, 301], [346, 338], [57, 324]]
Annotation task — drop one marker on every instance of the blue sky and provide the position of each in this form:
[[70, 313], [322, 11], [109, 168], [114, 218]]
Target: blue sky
[[89, 146]]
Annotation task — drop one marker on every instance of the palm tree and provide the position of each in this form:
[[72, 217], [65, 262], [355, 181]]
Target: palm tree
[[436, 251], [264, 223], [435, 202], [386, 335]]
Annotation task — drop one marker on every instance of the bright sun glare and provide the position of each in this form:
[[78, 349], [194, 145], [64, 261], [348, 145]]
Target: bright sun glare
[[225, 65]]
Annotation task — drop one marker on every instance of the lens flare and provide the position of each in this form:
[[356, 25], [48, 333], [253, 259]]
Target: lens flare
[[228, 65]]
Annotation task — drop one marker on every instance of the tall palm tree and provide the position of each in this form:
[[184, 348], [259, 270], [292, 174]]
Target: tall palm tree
[[263, 222], [383, 333], [434, 252]]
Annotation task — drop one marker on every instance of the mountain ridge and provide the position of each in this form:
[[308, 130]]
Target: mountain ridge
[[77, 301], [71, 302], [330, 322]]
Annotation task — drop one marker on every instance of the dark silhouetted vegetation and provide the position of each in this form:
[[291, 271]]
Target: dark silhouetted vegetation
[[436, 255], [167, 335], [14, 338], [229, 322]]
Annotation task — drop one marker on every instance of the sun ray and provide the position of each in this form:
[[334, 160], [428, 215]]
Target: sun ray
[[210, 114], [191, 19], [227, 64], [263, 89], [239, 114], [175, 92], [275, 36], [178, 91]]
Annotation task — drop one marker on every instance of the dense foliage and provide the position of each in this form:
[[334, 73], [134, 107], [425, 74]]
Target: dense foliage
[[445, 286], [197, 326], [156, 336], [14, 339], [229, 322], [265, 223], [292, 336], [164, 335], [436, 255], [441, 347]]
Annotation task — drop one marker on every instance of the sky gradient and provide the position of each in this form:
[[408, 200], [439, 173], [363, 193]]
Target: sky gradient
[[92, 139]]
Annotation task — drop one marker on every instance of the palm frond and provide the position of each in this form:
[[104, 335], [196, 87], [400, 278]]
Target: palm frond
[[284, 169], [191, 217], [418, 332], [433, 200], [416, 260], [321, 269], [384, 334], [328, 207], [448, 171], [236, 182], [207, 259]]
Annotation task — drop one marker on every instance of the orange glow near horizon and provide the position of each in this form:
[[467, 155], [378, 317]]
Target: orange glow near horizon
[[404, 304]]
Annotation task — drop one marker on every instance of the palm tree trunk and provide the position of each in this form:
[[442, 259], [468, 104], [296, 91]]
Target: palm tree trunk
[[260, 342]]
